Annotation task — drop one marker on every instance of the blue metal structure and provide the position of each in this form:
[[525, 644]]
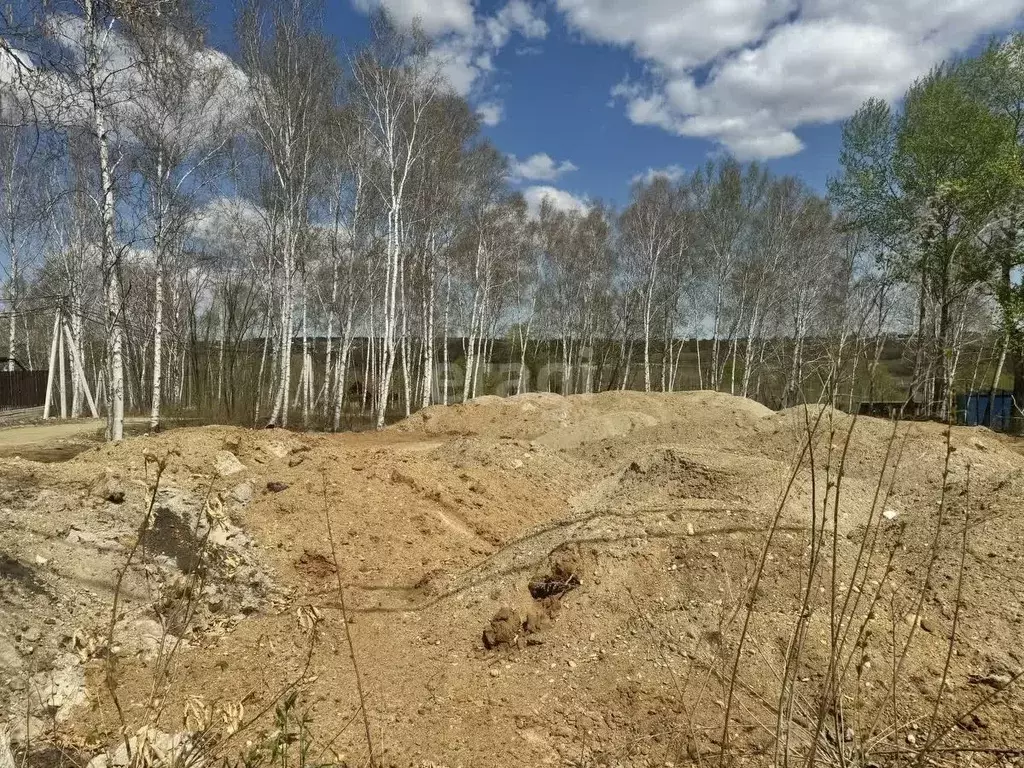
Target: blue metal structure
[[985, 409]]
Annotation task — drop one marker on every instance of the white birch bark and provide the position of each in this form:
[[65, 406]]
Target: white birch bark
[[158, 338], [109, 259]]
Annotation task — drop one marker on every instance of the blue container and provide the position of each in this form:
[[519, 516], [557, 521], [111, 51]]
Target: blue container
[[986, 409]]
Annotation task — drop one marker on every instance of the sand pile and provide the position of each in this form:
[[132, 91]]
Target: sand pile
[[565, 581]]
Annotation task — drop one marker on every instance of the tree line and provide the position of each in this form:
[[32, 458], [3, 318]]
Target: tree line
[[297, 234]]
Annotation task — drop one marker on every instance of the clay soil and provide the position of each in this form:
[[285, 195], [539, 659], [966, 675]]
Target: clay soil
[[533, 581]]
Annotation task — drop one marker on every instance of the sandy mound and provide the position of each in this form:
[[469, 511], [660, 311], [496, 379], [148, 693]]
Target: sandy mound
[[544, 581], [522, 416], [529, 416], [594, 429]]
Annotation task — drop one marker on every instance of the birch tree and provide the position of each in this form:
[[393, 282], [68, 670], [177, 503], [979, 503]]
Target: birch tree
[[292, 76], [649, 229], [725, 200], [102, 93], [185, 113], [392, 86], [17, 199]]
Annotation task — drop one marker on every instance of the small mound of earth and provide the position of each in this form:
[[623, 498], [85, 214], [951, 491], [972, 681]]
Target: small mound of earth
[[485, 400], [506, 628], [669, 472], [567, 422], [65, 540], [564, 572], [315, 565], [512, 628], [518, 417]]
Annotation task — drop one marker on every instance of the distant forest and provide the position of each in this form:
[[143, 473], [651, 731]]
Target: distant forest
[[289, 237]]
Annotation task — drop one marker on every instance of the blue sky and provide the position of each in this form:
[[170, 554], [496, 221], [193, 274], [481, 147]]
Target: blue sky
[[585, 95]]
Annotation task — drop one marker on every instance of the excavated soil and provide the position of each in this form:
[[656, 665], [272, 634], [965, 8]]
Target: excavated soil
[[528, 581]]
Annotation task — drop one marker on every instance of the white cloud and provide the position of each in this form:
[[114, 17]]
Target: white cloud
[[16, 71], [517, 16], [457, 61], [539, 167], [13, 64], [747, 73], [672, 33], [437, 16], [558, 198], [229, 221], [212, 106], [465, 45], [671, 172], [491, 112]]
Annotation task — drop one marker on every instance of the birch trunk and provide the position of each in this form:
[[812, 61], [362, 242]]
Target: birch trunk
[[628, 365], [12, 287], [158, 341], [305, 361], [79, 352], [648, 310], [715, 377], [1003, 347], [427, 312], [390, 309], [109, 261], [404, 308], [341, 372], [62, 380], [326, 392], [279, 413], [446, 331], [476, 309], [263, 364], [753, 330]]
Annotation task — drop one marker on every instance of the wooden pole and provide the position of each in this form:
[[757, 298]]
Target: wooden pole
[[53, 361], [62, 388], [76, 366], [101, 386]]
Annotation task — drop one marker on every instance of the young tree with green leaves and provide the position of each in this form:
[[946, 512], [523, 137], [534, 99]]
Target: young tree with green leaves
[[929, 184]]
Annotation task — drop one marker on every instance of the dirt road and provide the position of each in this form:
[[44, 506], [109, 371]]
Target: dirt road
[[54, 440]]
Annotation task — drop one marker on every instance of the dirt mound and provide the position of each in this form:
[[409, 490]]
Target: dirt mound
[[518, 417], [583, 418], [595, 428], [511, 629], [76, 533], [671, 472], [543, 580]]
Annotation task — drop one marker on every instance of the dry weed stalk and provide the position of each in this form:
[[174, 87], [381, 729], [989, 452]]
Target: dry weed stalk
[[755, 586], [829, 730], [110, 667], [345, 624], [210, 729]]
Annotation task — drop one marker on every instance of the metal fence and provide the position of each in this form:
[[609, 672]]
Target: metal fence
[[986, 409], [21, 388]]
